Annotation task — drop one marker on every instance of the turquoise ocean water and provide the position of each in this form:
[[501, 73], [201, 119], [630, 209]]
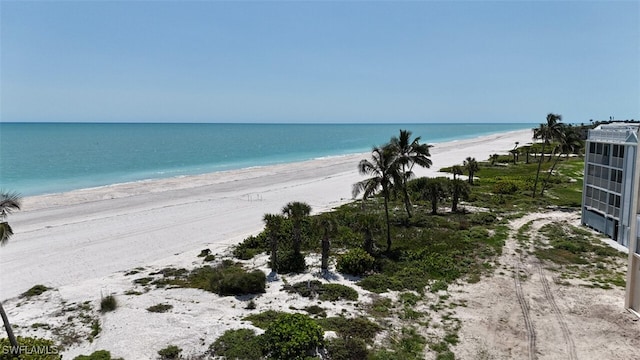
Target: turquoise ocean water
[[40, 158]]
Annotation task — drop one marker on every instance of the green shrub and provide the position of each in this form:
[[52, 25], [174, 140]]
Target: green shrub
[[251, 246], [292, 336], [108, 303], [35, 291], [347, 349], [334, 292], [160, 308], [239, 282], [47, 350], [351, 328], [304, 288], [355, 262], [506, 187], [204, 252], [264, 319], [291, 262], [237, 344], [482, 218], [96, 355], [170, 352], [209, 258]]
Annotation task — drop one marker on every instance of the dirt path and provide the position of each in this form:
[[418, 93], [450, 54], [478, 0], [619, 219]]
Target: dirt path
[[518, 313]]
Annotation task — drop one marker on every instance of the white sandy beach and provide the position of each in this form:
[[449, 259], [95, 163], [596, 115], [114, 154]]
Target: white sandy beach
[[67, 238]]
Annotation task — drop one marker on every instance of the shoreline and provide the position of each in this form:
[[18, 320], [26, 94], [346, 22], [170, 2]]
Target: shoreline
[[32, 199], [69, 238]]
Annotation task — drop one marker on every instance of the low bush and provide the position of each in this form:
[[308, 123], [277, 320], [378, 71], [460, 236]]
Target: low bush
[[49, 351], [482, 218], [334, 292], [35, 291], [237, 344], [291, 262], [251, 246], [160, 308], [234, 280], [351, 328], [108, 303], [170, 352], [292, 337], [506, 187], [347, 349], [264, 319], [355, 262], [97, 355]]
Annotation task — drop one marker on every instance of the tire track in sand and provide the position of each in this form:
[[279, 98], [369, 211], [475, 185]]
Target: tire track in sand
[[531, 332], [566, 334]]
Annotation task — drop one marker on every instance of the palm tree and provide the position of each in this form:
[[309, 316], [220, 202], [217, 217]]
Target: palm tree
[[433, 190], [472, 167], [297, 212], [329, 227], [408, 154], [368, 224], [457, 170], [383, 170], [8, 203], [459, 190], [494, 158], [570, 141], [273, 226], [546, 132]]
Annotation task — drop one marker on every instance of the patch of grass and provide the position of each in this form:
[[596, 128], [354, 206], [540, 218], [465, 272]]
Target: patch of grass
[[263, 319], [358, 327], [237, 344], [316, 310], [335, 292], [95, 329], [34, 291], [143, 281], [170, 352], [380, 307], [160, 308]]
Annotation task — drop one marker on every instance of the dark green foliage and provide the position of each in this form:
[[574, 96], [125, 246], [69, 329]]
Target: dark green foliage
[[292, 336], [143, 281], [506, 187], [347, 349], [238, 282], [35, 291], [49, 350], [251, 246], [334, 292], [263, 319], [204, 252], [482, 218], [304, 288], [96, 355], [355, 262], [291, 262], [351, 328], [209, 258], [316, 310], [409, 345], [170, 352], [326, 292], [108, 303], [160, 308], [240, 344]]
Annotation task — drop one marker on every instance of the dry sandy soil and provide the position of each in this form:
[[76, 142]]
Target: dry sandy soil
[[524, 314]]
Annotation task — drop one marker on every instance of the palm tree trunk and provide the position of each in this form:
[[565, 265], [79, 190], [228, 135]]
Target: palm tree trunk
[[535, 184], [386, 214], [407, 201], [454, 200], [325, 254], [544, 184], [274, 253], [15, 349]]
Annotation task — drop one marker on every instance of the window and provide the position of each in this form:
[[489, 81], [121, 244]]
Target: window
[[599, 148], [592, 148]]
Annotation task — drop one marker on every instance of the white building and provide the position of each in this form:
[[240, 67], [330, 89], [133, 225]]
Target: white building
[[611, 193]]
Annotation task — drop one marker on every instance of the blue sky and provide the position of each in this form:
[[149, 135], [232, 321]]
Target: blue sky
[[421, 61]]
